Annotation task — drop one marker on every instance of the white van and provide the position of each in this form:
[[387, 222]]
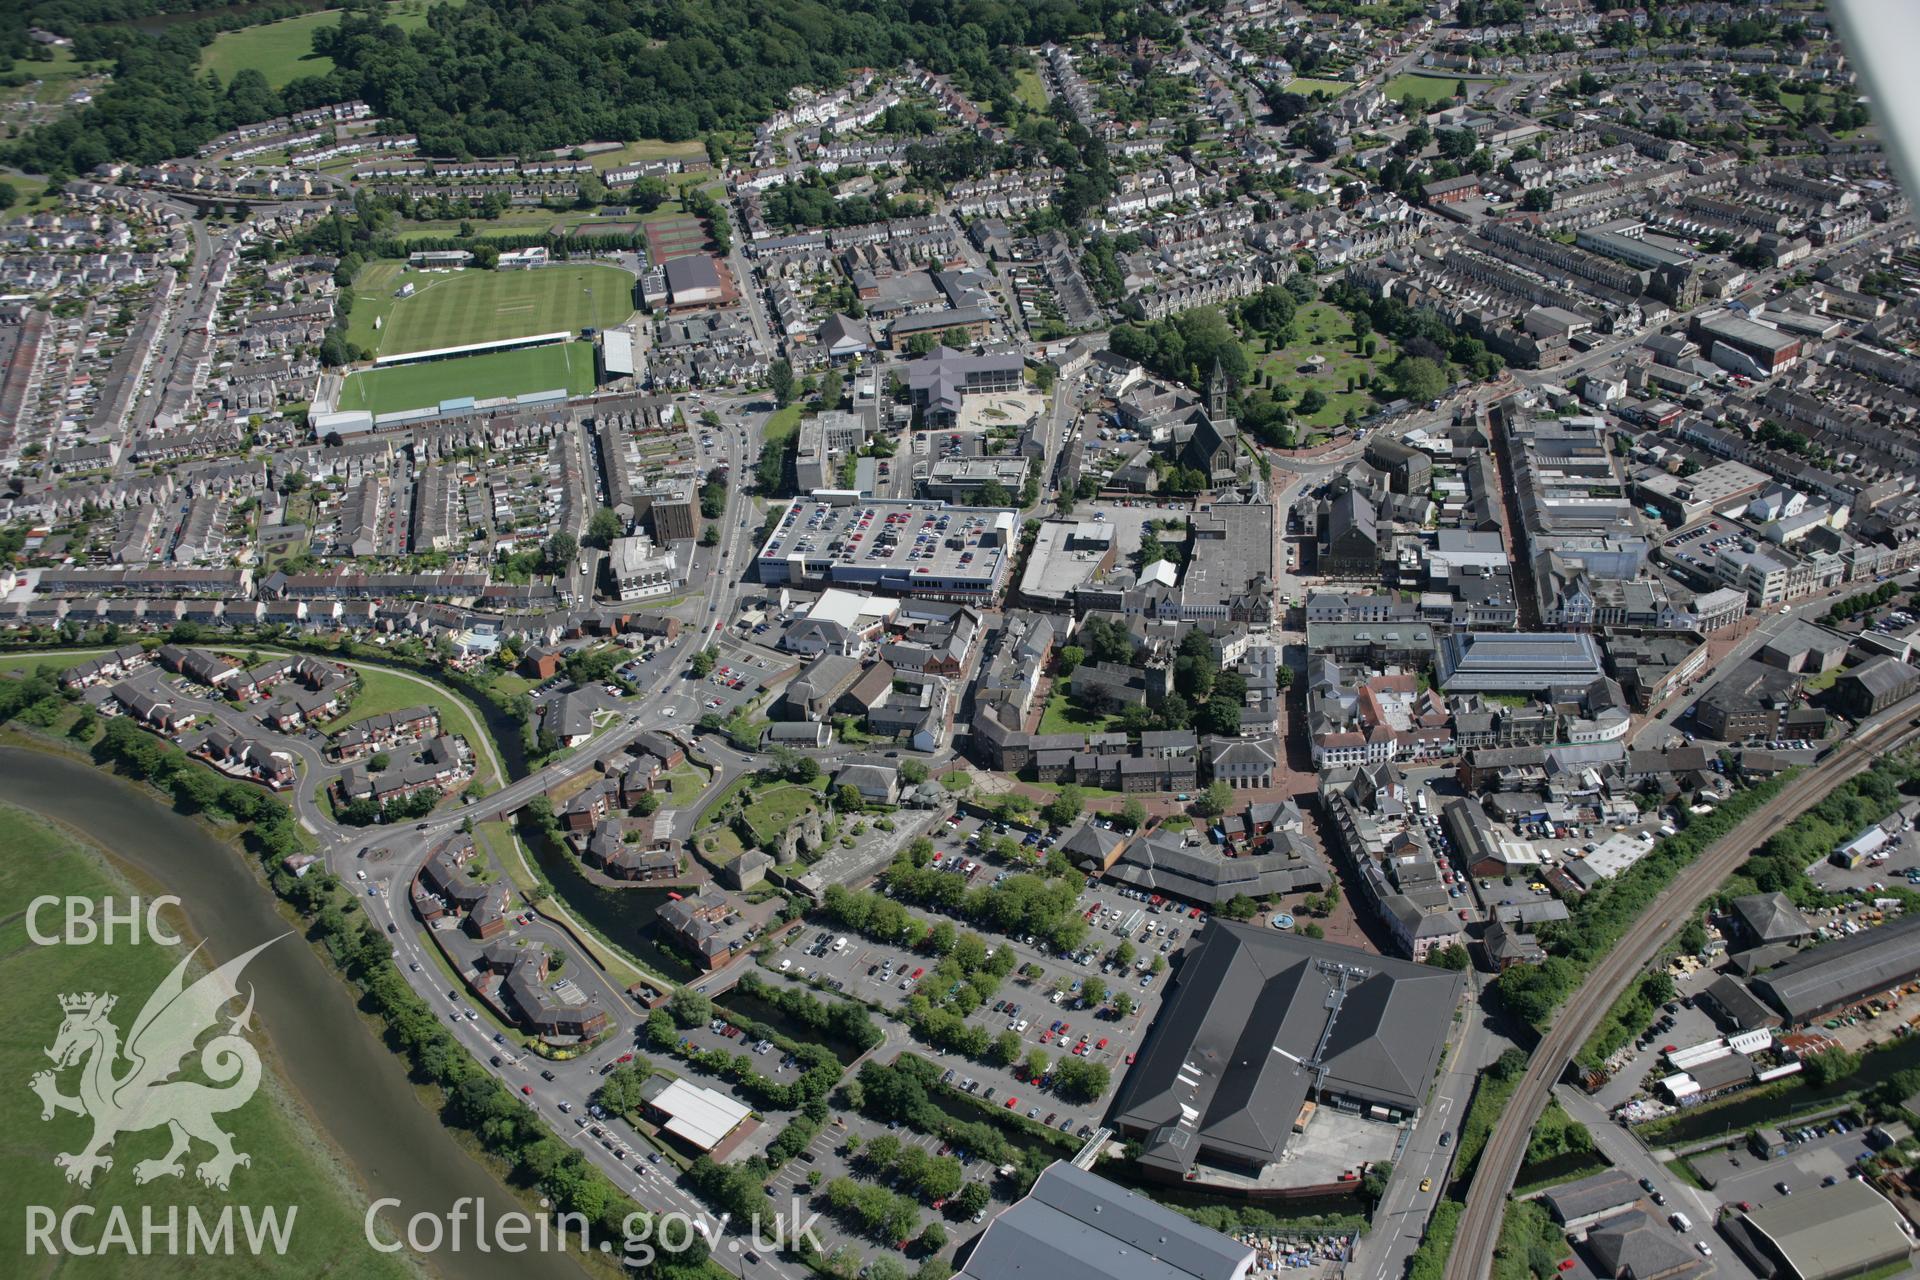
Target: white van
[[1680, 1222]]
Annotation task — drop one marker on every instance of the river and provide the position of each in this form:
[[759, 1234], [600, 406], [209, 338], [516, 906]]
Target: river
[[354, 1088]]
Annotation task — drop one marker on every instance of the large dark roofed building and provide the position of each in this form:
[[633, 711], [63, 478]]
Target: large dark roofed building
[[1259, 1022], [1834, 974], [1075, 1225], [943, 378]]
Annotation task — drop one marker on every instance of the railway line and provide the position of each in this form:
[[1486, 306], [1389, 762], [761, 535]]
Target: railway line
[[1471, 1257]]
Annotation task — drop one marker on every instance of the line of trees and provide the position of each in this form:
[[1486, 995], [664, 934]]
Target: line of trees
[[475, 1100]]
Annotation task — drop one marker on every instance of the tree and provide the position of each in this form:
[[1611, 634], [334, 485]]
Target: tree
[[704, 662], [1064, 807], [1214, 800], [1239, 907], [1831, 1066], [558, 551], [973, 1198], [1417, 378], [846, 798], [932, 1240], [780, 379], [1133, 814], [605, 526], [710, 536], [689, 1008], [379, 762], [1069, 657], [1452, 956], [1312, 401], [913, 772], [1006, 1048], [648, 194], [1122, 1004], [1373, 1183], [1536, 200]]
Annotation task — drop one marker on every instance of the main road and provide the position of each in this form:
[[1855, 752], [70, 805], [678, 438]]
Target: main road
[[666, 701], [1499, 1164]]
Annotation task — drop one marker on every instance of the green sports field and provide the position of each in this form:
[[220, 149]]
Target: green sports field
[[484, 377], [454, 308]]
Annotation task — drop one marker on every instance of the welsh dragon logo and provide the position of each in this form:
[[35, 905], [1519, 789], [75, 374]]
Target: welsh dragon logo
[[144, 1095]]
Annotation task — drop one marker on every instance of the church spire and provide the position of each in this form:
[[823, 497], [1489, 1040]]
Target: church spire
[[1219, 389]]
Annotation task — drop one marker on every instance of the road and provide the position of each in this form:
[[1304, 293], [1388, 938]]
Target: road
[[1400, 1221], [1499, 1164], [1626, 1154], [671, 690]]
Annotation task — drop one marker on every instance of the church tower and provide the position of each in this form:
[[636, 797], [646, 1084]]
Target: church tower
[[1220, 398]]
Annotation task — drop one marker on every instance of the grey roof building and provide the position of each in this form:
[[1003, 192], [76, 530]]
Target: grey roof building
[[1166, 863], [1636, 1245], [1834, 974], [1075, 1225], [1824, 1233], [1770, 917], [1517, 662], [1260, 1021], [1585, 1201]]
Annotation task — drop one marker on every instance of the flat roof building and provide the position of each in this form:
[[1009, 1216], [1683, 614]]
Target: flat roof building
[[638, 569], [1766, 346], [907, 547], [700, 1117]]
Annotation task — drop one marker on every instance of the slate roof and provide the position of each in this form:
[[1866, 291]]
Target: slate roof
[[1226, 1063], [1075, 1225]]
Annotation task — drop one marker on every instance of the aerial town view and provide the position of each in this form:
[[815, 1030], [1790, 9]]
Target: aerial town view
[[1068, 640]]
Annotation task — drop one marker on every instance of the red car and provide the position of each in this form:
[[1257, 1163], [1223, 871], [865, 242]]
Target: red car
[[1566, 1264], [1012, 1102], [1129, 1059], [527, 1089], [1102, 1044]]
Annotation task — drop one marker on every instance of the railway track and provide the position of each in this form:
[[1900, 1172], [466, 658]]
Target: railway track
[[1479, 1230]]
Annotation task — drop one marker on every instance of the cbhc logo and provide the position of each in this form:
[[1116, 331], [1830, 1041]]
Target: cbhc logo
[[86, 921]]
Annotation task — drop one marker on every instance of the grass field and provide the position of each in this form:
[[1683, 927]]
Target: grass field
[[1432, 89], [648, 149], [682, 785], [455, 308], [1323, 330], [484, 377], [1029, 89], [1307, 84], [385, 691], [289, 1167], [1062, 716], [283, 51]]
